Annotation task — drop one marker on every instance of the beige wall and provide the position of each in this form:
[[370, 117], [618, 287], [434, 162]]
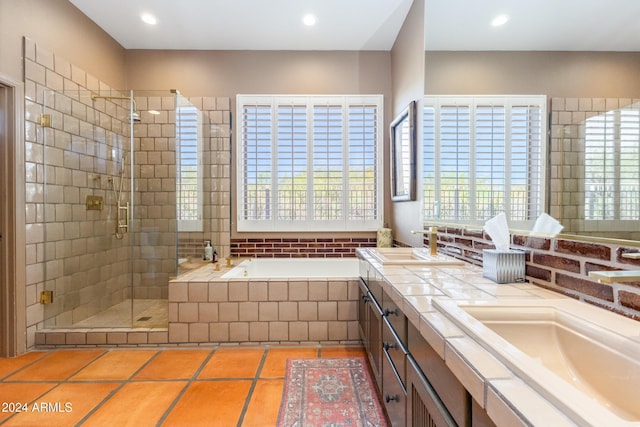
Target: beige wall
[[228, 73], [408, 85], [61, 28], [555, 74]]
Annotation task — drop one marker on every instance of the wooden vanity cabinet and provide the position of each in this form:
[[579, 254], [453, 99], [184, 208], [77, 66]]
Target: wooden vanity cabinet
[[479, 416], [370, 325], [444, 383]]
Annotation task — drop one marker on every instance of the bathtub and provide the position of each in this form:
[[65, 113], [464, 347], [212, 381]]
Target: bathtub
[[268, 268]]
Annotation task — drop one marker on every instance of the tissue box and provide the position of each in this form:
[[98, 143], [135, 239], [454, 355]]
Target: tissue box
[[503, 266]]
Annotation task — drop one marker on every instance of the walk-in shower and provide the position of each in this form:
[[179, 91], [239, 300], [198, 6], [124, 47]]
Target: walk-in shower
[[130, 186]]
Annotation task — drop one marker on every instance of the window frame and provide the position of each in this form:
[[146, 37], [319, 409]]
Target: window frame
[[472, 101], [613, 127], [273, 224], [189, 225]]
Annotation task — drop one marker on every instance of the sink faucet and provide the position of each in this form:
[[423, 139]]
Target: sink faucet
[[433, 238]]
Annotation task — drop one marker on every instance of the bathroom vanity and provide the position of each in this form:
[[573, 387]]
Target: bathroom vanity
[[445, 347], [416, 386]]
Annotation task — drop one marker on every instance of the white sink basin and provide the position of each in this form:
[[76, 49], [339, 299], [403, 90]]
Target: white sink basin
[[411, 256], [599, 368]]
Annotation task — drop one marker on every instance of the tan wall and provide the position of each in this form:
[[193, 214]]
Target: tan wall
[[555, 74], [228, 73], [408, 85], [60, 27]]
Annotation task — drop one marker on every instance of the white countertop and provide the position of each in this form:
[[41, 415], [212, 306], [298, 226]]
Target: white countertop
[[429, 296]]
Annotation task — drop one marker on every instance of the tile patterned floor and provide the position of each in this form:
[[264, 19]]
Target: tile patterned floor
[[171, 387]]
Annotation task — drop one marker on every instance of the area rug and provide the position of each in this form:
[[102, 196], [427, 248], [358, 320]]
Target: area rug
[[329, 393]]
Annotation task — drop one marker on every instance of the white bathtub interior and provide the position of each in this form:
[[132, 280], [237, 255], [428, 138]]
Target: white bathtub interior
[[266, 268]]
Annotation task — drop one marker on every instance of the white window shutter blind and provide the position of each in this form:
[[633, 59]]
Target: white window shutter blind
[[309, 163]]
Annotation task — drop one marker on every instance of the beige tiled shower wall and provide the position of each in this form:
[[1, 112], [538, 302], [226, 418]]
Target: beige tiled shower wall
[[567, 160], [71, 250]]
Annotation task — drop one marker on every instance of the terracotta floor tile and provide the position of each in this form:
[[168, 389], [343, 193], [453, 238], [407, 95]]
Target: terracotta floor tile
[[137, 404], [265, 404], [173, 364], [20, 393], [342, 352], [8, 366], [210, 403], [115, 365], [83, 398], [56, 366], [276, 362], [232, 363]]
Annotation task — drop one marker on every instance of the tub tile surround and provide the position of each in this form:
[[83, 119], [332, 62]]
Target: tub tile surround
[[508, 398], [205, 308], [559, 264]]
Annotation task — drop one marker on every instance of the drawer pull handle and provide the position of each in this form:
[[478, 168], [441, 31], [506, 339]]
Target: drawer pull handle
[[388, 398], [389, 345], [387, 312], [365, 298]]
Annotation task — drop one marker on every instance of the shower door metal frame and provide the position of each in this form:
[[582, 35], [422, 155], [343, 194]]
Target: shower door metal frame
[[12, 223]]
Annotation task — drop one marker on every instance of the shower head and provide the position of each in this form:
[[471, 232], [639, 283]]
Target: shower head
[[134, 117]]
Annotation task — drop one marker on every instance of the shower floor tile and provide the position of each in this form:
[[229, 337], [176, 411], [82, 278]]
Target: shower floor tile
[[226, 386], [147, 313]]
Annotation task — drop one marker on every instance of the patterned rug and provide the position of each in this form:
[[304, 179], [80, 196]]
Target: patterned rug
[[329, 393]]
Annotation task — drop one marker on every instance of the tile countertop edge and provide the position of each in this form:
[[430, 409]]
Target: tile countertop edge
[[491, 396]]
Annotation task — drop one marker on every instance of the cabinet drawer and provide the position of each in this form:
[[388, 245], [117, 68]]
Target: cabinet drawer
[[396, 351], [394, 394], [396, 317]]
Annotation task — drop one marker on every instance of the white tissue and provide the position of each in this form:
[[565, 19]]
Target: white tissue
[[498, 230], [546, 225]]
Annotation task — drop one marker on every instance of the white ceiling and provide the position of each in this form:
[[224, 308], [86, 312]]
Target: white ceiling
[[596, 25], [586, 25], [250, 24]]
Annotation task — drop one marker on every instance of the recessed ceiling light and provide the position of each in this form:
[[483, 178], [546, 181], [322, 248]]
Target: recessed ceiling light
[[309, 20], [148, 18], [500, 20]]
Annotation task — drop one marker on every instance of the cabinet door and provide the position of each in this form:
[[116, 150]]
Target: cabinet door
[[363, 315], [375, 340], [452, 393], [424, 408]]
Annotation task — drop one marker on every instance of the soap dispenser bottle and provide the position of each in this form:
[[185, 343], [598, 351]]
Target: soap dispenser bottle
[[208, 251]]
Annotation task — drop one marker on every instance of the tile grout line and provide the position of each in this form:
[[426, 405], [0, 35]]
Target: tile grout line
[[190, 381], [255, 380], [115, 390], [45, 354]]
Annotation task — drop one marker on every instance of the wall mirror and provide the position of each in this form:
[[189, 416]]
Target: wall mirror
[[581, 82], [403, 155]]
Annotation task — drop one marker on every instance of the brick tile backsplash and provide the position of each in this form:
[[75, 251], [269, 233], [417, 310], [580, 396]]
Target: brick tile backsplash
[[299, 247], [558, 264]]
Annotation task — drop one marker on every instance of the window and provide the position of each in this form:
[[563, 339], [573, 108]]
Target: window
[[189, 166], [612, 166], [309, 163], [482, 156]]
